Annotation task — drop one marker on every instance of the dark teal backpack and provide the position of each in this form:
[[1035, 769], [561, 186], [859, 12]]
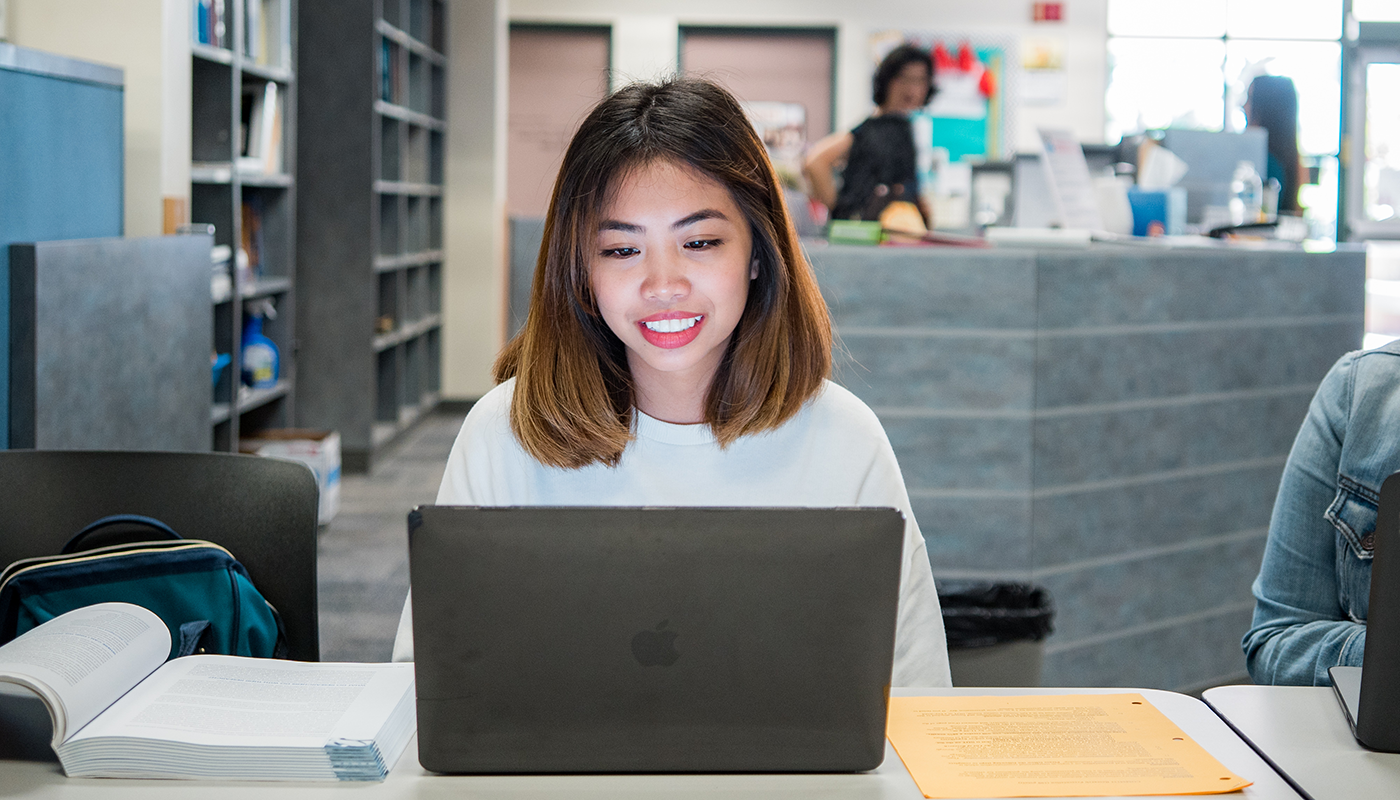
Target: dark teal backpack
[[197, 588]]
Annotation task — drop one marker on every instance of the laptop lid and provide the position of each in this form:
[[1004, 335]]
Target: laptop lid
[[557, 639], [1372, 697]]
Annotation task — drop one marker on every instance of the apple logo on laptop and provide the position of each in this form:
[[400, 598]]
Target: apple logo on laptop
[[655, 648]]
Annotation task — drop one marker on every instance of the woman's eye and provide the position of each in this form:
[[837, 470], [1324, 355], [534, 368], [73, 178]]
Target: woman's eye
[[702, 244], [620, 252]]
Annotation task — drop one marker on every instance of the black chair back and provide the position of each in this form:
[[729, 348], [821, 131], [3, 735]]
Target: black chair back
[[263, 510]]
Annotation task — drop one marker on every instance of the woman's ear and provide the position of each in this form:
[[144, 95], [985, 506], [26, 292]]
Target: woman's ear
[[753, 269]]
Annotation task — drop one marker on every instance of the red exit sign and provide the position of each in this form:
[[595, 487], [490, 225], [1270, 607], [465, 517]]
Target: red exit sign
[[1047, 12]]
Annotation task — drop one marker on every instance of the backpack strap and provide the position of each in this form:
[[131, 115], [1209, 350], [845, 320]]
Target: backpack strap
[[75, 544]]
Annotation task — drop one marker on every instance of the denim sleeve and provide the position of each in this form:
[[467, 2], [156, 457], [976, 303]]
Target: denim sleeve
[[1300, 628]]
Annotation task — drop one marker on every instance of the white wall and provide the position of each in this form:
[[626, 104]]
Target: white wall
[[474, 202], [149, 41], [645, 35]]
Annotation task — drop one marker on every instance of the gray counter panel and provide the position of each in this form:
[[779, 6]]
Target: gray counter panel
[[1110, 423]]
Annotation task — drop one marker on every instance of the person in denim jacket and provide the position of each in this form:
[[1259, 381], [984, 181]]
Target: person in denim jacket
[[1315, 582]]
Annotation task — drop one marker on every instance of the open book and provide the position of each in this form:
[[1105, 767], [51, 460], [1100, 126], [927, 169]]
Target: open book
[[120, 710]]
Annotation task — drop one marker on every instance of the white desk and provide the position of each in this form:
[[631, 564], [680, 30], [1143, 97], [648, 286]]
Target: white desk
[[1304, 732], [44, 781]]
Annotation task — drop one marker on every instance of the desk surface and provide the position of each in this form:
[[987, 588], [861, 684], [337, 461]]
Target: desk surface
[[1304, 732], [34, 780]]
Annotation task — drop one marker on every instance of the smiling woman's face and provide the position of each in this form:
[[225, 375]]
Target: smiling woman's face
[[671, 271], [909, 88]]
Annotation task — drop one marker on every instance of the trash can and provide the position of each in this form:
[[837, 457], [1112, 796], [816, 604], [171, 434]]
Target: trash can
[[996, 631]]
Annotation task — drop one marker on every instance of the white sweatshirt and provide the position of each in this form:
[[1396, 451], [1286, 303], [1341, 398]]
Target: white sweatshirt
[[832, 453]]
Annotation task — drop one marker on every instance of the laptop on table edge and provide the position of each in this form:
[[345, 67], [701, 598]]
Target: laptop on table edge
[[1370, 694], [598, 639]]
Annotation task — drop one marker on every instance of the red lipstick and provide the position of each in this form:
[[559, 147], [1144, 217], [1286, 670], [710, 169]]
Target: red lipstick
[[676, 329]]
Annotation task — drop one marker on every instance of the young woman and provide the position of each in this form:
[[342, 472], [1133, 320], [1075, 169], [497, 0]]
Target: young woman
[[1313, 592], [677, 347], [1272, 104]]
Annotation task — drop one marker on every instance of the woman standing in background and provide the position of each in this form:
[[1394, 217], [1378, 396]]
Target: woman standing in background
[[879, 157], [1272, 104]]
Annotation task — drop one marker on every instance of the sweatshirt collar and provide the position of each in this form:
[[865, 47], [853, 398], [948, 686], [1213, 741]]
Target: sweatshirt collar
[[671, 433]]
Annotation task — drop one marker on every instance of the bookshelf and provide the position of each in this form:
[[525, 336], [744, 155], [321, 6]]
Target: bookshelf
[[242, 183], [372, 123]]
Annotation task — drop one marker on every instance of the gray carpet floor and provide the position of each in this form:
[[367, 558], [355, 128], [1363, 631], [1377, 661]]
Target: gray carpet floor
[[362, 552]]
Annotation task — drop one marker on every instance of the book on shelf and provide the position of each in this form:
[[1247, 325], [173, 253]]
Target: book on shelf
[[392, 88], [211, 22], [272, 133], [266, 31], [252, 29], [119, 709], [260, 129], [253, 252], [386, 82]]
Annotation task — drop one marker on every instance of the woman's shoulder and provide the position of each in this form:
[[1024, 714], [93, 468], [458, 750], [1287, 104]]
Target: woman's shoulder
[[836, 407], [493, 405], [1379, 362], [489, 417], [1356, 407], [1362, 380]]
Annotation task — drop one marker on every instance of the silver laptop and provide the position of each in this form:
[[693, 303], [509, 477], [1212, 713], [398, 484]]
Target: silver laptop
[[551, 639], [1370, 694]]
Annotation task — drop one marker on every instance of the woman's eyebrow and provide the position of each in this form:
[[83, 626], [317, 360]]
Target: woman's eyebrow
[[701, 215], [690, 219]]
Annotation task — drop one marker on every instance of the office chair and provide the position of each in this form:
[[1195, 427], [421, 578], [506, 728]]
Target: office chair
[[263, 510]]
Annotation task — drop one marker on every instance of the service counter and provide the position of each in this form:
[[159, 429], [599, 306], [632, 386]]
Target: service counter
[[1109, 422]]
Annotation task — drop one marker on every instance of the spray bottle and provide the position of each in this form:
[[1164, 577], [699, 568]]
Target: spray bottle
[[260, 357]]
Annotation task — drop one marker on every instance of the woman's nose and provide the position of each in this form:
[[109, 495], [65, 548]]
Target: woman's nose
[[666, 280]]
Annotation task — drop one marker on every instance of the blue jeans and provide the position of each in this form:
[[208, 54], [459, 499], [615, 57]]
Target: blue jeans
[[1314, 584]]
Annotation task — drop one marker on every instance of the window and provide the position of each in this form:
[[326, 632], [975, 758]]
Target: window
[[1188, 64]]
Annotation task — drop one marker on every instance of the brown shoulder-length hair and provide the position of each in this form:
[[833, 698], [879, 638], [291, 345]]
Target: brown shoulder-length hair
[[573, 402]]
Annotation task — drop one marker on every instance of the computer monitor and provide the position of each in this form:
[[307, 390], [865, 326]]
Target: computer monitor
[[1211, 158]]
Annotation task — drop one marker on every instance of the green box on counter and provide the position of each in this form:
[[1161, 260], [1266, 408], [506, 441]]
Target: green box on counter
[[850, 231]]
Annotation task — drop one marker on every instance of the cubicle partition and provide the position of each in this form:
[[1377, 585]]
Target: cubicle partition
[[61, 150], [110, 344]]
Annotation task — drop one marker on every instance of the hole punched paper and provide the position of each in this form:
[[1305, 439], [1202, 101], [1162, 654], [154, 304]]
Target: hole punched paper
[[1098, 745]]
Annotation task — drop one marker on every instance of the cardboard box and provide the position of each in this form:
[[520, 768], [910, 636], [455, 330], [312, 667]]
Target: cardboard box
[[319, 450]]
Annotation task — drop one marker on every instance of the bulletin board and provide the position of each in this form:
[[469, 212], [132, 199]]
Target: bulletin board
[[970, 123]]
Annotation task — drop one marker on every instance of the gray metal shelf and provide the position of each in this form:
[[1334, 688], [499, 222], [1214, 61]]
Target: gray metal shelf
[[404, 333], [250, 399], [218, 55], [231, 196], [370, 223]]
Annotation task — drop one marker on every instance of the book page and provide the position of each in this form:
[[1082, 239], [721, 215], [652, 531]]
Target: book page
[[82, 661], [231, 700], [1099, 745]]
